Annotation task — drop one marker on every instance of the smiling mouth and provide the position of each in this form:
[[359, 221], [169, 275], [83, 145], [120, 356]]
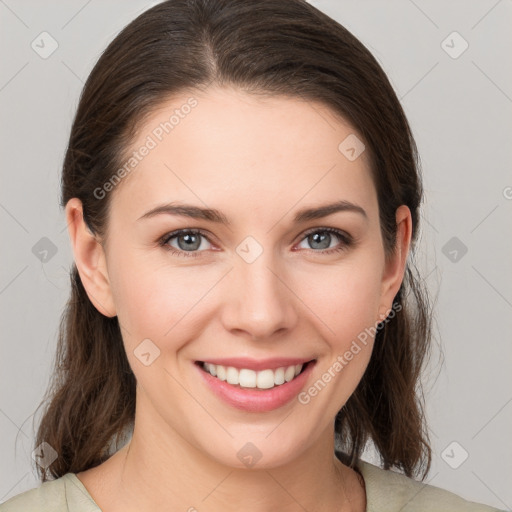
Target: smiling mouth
[[246, 378]]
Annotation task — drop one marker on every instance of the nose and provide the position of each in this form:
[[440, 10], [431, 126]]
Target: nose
[[259, 301]]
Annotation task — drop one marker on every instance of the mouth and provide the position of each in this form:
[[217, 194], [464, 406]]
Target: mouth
[[263, 379]]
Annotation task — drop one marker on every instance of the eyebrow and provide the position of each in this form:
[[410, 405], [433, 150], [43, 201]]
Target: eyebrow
[[212, 215]]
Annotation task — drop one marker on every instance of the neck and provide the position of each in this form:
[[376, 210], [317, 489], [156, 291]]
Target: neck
[[157, 471]]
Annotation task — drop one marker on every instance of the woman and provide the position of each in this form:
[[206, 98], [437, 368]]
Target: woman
[[242, 197]]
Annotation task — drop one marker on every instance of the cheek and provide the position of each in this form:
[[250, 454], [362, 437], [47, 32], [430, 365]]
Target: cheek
[[347, 302], [349, 310], [346, 299], [154, 302]]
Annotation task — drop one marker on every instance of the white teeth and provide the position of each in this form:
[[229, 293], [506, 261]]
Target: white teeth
[[247, 378], [220, 370], [212, 369], [289, 373], [232, 375], [264, 379], [279, 376]]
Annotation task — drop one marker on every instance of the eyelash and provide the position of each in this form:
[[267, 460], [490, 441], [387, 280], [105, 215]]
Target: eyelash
[[346, 241]]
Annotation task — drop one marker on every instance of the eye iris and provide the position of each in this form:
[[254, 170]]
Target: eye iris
[[192, 241], [324, 239]]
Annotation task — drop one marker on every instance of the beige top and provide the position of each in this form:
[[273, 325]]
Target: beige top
[[386, 491]]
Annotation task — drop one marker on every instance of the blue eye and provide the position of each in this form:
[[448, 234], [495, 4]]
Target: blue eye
[[323, 241], [189, 241]]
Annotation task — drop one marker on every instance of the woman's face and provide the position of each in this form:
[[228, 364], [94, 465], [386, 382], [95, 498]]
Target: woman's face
[[261, 283]]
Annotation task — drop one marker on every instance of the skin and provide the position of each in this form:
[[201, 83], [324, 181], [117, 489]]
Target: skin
[[258, 160]]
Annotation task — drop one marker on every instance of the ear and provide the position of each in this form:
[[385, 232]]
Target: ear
[[89, 259], [394, 268]]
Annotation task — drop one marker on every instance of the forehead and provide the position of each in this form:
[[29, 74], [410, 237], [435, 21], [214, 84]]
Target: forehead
[[225, 146]]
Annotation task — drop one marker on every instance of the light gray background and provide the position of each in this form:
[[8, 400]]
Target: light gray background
[[460, 111]]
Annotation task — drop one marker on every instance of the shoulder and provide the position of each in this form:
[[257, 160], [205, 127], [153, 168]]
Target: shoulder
[[388, 491], [64, 494]]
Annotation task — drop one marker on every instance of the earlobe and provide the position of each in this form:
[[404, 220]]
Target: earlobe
[[89, 259], [395, 266], [383, 313]]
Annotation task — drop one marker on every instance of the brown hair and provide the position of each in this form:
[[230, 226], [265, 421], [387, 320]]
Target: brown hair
[[266, 47]]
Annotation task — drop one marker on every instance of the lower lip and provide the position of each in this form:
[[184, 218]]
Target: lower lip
[[254, 399]]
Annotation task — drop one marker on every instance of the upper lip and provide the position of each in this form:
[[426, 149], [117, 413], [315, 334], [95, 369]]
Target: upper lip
[[258, 364]]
